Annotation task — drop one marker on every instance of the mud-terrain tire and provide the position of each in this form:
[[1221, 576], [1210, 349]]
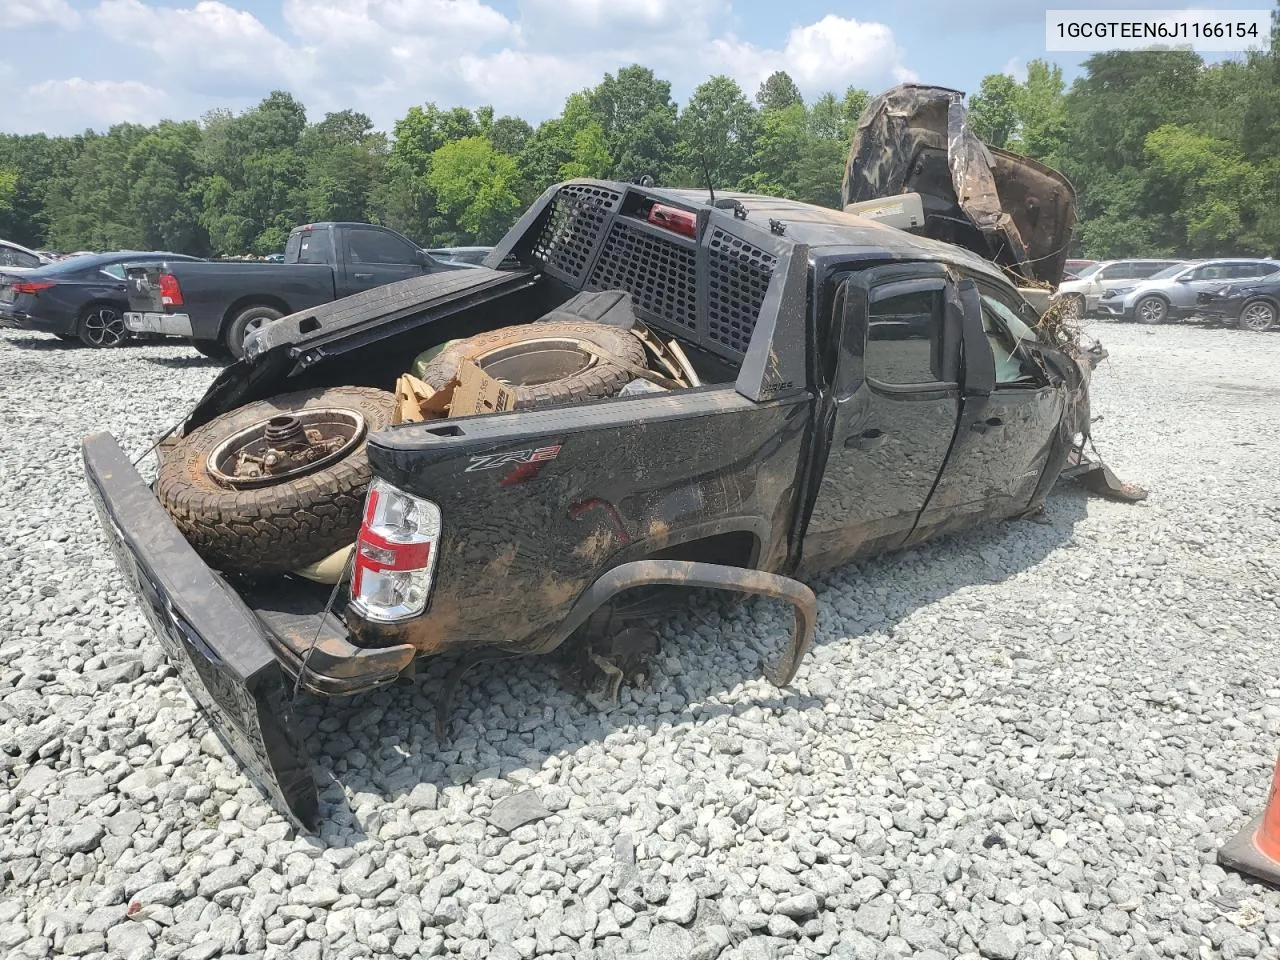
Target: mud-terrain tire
[[545, 346], [286, 525]]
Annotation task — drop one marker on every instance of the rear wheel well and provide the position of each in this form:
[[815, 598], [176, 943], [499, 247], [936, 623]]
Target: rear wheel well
[[738, 548], [99, 302]]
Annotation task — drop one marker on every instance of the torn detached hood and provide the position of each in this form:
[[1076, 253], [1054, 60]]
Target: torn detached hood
[[1004, 207]]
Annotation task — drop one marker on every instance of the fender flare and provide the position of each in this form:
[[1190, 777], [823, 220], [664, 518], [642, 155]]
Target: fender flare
[[692, 573]]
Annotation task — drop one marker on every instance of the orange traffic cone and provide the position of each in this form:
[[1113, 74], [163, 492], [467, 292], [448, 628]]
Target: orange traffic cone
[[1255, 850]]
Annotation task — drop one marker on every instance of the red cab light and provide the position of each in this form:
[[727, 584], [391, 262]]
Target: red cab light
[[674, 219], [170, 292], [32, 287]]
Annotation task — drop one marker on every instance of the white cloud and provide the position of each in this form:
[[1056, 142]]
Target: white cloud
[[211, 42], [29, 13], [382, 56], [828, 55], [1016, 67], [526, 81], [440, 23], [77, 103]]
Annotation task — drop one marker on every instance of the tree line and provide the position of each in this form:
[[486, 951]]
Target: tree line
[[1169, 156]]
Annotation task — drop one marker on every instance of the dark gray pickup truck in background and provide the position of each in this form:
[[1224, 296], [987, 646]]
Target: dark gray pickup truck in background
[[221, 303]]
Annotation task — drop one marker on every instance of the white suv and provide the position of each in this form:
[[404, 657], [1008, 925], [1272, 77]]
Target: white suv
[[1082, 295]]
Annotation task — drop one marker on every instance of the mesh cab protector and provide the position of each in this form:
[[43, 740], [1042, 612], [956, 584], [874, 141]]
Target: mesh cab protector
[[709, 291]]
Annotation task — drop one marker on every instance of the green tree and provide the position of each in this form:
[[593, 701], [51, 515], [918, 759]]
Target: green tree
[[164, 191], [778, 91], [8, 191], [718, 128], [1041, 110], [475, 186], [344, 160], [638, 118], [1220, 193], [993, 111]]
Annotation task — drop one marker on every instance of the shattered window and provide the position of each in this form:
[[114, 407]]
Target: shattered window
[[904, 337], [1005, 330]]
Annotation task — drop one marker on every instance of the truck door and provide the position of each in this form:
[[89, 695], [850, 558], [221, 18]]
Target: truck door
[[891, 372], [373, 257], [1003, 440]]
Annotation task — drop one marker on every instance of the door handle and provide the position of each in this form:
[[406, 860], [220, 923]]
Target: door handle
[[991, 423], [363, 276], [867, 440]]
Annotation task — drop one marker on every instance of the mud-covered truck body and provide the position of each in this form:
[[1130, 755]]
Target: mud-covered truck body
[[852, 389]]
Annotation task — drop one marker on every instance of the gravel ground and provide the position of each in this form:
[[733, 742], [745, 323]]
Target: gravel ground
[[1024, 742]]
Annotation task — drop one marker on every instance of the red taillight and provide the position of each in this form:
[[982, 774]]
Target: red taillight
[[32, 287], [170, 292], [394, 555], [674, 219]]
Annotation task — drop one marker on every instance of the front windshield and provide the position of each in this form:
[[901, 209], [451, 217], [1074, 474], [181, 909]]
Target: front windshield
[[1088, 271], [1168, 272]]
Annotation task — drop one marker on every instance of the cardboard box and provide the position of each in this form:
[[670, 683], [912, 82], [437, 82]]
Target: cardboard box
[[477, 392]]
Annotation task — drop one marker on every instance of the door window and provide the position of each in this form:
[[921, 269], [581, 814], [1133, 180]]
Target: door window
[[904, 339], [1005, 330], [115, 271], [374, 246], [1212, 271]]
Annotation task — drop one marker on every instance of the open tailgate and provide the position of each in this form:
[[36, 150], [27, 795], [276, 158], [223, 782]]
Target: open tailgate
[[212, 638]]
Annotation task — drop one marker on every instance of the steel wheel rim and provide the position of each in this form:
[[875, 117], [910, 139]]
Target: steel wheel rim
[[332, 422], [1258, 316], [531, 363], [105, 327], [254, 325], [1151, 311]]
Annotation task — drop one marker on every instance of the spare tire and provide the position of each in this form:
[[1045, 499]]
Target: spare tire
[[544, 362], [244, 517]]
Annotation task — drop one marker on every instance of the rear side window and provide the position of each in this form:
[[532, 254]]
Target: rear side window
[[374, 246], [1255, 269], [904, 339], [9, 257], [306, 246]]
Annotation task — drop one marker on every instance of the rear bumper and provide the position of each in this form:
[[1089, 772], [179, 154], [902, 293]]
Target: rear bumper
[[166, 324], [239, 667]]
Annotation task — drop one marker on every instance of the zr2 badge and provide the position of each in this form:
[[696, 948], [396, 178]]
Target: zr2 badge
[[512, 459]]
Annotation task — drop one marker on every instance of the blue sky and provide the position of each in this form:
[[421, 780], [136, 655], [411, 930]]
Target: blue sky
[[70, 64]]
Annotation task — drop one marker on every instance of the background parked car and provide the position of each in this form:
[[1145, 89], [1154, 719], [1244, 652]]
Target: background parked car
[[1171, 294], [1252, 304], [1076, 266], [15, 255], [1082, 296], [80, 297]]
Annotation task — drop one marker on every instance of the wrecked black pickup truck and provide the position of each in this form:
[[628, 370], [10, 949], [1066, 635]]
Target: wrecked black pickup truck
[[834, 387]]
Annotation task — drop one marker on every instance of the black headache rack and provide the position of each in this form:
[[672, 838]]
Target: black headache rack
[[730, 289]]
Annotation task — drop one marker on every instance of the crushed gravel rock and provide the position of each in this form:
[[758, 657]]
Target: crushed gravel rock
[[1023, 742]]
